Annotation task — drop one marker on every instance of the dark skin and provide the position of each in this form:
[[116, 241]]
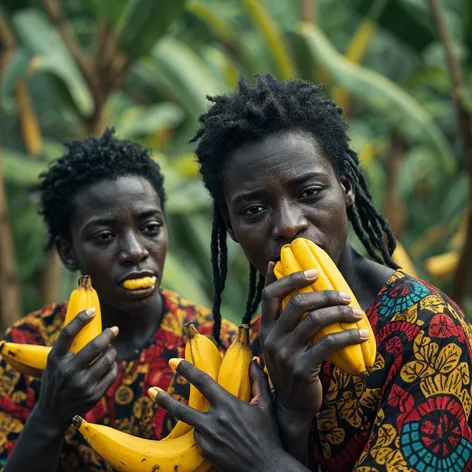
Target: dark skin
[[277, 189], [117, 228]]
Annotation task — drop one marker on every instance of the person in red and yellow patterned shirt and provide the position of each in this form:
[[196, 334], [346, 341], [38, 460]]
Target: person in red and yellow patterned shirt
[[103, 203]]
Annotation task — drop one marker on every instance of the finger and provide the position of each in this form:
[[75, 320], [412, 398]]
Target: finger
[[175, 408], [302, 303], [332, 343], [71, 330], [276, 291], [102, 365], [204, 383], [261, 394], [107, 380], [94, 348], [318, 319]]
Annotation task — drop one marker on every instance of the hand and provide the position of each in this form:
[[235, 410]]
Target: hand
[[70, 385], [233, 435], [292, 361]]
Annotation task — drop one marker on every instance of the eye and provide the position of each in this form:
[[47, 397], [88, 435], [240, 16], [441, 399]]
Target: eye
[[152, 228], [310, 192], [253, 210], [104, 236]]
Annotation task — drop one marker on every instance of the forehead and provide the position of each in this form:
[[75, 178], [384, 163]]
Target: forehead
[[273, 160], [110, 195]]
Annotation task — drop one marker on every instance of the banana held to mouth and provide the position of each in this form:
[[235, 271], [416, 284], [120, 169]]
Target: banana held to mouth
[[138, 284]]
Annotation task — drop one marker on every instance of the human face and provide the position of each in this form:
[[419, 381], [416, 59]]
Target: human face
[[118, 232], [281, 188]]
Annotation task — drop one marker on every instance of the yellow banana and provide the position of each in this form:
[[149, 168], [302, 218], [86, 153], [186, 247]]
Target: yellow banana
[[28, 359], [83, 297], [127, 453], [31, 359], [137, 284], [234, 370], [202, 352], [303, 254]]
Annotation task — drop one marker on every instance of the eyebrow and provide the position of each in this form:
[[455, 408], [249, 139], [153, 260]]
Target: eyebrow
[[298, 180], [109, 220]]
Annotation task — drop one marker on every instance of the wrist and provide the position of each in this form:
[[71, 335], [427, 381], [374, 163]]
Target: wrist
[[50, 425], [290, 415]]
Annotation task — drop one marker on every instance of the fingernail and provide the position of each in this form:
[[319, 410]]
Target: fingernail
[[174, 362], [115, 329], [90, 312], [153, 392], [358, 313], [364, 333], [310, 273], [345, 296]]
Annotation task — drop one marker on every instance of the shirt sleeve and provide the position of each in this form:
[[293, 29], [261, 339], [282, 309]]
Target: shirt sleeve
[[18, 392], [423, 419]]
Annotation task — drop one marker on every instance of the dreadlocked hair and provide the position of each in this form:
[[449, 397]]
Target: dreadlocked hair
[[266, 107], [87, 162]]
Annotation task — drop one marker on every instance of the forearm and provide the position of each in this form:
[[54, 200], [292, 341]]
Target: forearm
[[294, 430], [39, 443], [284, 462]]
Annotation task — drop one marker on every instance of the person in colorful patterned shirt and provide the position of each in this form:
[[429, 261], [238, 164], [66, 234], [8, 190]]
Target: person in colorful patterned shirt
[[276, 159], [103, 203]]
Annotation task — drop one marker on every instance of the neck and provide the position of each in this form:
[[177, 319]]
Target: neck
[[135, 327], [365, 277]]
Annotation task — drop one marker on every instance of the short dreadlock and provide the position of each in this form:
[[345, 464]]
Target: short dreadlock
[[86, 162], [255, 111]]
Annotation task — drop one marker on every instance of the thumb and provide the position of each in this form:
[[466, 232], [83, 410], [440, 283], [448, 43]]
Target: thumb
[[261, 394]]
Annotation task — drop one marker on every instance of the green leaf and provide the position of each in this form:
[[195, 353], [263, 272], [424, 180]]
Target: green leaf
[[177, 71], [179, 277], [381, 95], [15, 69], [147, 22], [41, 38], [20, 169], [140, 121], [408, 21]]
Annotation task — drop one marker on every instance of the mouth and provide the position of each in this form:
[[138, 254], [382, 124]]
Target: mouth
[[142, 281]]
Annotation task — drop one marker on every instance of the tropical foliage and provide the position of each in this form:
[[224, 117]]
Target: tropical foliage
[[71, 67]]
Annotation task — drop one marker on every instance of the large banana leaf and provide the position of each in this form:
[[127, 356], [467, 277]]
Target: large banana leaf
[[138, 121], [20, 169], [180, 73], [409, 21], [383, 96], [15, 70], [40, 38], [147, 22]]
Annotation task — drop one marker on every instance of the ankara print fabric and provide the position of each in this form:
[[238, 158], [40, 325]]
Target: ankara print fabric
[[413, 413], [126, 406]]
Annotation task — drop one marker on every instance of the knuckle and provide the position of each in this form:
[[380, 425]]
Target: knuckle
[[297, 301], [180, 410], [67, 333], [284, 354], [93, 347], [266, 294], [328, 343]]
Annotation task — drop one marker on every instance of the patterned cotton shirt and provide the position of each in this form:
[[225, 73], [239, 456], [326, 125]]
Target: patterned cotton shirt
[[413, 413], [126, 406]]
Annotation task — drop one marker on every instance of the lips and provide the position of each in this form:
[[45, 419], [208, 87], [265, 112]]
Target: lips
[[137, 275]]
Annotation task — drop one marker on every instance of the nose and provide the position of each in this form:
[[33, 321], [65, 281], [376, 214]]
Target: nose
[[132, 250], [289, 222]]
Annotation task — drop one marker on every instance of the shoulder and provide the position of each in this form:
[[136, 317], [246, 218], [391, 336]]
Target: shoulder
[[38, 327], [409, 305]]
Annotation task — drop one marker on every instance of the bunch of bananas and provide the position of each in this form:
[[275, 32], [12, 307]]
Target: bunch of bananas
[[303, 254], [177, 451], [30, 359]]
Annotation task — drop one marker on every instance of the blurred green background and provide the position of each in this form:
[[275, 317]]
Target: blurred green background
[[69, 68]]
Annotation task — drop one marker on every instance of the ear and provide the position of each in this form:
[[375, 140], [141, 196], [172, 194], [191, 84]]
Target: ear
[[349, 193], [66, 253]]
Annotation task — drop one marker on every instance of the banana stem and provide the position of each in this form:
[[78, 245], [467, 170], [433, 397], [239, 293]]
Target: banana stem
[[85, 281], [77, 421]]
